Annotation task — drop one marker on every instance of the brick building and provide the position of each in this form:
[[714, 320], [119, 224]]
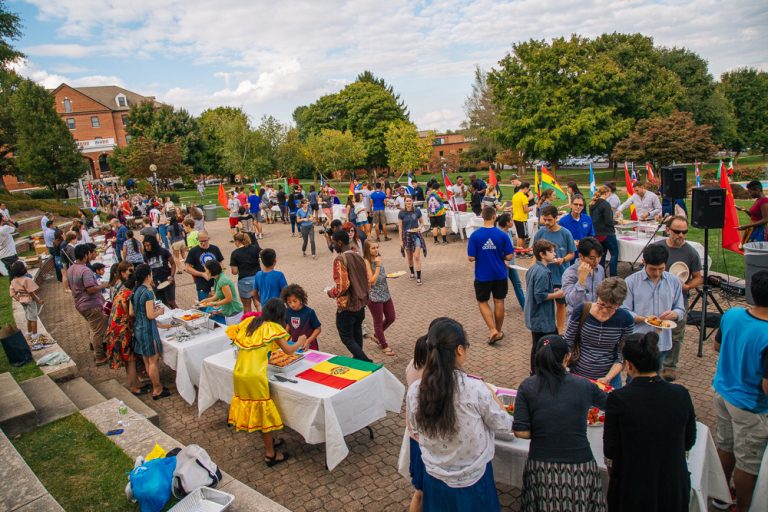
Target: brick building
[[96, 118], [446, 148]]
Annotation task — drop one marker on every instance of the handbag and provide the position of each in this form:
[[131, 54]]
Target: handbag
[[576, 351], [194, 469], [15, 346]]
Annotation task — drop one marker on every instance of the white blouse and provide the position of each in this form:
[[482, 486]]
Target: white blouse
[[460, 461]]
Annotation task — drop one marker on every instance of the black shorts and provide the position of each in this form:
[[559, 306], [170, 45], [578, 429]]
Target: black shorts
[[484, 290], [522, 229], [437, 222], [555, 288]]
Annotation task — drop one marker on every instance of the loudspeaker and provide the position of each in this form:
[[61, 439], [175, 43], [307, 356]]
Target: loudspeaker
[[708, 208], [673, 182]]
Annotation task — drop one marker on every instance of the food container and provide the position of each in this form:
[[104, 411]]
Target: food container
[[204, 499], [287, 368], [200, 319], [507, 400]]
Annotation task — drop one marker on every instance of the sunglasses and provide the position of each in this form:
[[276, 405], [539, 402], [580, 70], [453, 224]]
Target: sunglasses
[[578, 204], [679, 231]]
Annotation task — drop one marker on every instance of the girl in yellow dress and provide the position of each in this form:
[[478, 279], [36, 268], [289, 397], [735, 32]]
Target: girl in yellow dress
[[252, 408]]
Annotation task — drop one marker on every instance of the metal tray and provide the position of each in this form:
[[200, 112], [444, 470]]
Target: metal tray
[[204, 499], [287, 368]]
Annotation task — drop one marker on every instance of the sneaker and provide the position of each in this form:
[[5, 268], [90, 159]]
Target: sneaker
[[418, 281], [445, 242], [437, 242], [720, 505], [669, 374]]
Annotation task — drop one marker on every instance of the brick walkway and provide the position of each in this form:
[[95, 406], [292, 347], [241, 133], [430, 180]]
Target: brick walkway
[[367, 479]]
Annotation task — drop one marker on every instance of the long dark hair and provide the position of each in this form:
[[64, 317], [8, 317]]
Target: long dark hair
[[548, 362], [154, 245], [272, 311], [642, 350], [436, 413], [134, 242], [140, 273]]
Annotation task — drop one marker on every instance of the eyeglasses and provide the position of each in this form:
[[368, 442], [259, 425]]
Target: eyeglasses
[[603, 305], [580, 205], [204, 241], [679, 231]]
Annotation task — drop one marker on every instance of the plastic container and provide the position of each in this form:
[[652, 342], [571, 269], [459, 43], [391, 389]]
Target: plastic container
[[755, 260], [204, 499], [209, 211]]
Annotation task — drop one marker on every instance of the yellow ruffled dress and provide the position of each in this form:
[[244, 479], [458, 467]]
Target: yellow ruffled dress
[[252, 408]]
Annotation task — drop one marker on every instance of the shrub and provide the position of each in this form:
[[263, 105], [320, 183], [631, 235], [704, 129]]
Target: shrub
[[180, 186], [43, 193]]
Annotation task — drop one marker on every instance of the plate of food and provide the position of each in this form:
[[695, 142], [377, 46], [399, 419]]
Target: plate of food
[[280, 361], [595, 417], [394, 275], [191, 316], [658, 323]]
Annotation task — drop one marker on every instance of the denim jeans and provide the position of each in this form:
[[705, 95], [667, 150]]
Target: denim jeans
[[514, 277], [56, 263], [293, 223], [611, 244], [307, 234]]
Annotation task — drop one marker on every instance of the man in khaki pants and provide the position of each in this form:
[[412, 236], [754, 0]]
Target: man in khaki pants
[[89, 300]]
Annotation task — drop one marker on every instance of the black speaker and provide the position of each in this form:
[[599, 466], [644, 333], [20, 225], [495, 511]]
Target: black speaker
[[708, 208], [673, 182]]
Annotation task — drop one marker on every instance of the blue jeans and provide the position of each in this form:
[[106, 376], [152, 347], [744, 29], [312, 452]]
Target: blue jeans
[[616, 382], [611, 244], [517, 285], [163, 230], [293, 223], [56, 263]]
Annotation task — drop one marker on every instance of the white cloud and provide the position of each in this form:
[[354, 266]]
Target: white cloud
[[439, 120], [52, 80], [62, 50]]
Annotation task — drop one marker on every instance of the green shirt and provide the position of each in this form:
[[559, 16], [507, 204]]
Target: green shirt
[[233, 307], [192, 240]]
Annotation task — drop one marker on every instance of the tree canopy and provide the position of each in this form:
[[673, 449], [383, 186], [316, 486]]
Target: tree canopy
[[406, 151], [332, 150], [747, 90], [134, 160]]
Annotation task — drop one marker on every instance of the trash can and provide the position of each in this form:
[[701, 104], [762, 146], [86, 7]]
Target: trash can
[[210, 212], [755, 260]]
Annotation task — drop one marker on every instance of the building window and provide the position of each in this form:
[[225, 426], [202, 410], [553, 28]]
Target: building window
[[438, 141], [94, 121], [461, 150], [122, 101], [67, 105], [71, 123], [124, 117], [441, 153]]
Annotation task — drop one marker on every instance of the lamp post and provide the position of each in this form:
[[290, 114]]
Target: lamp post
[[153, 170]]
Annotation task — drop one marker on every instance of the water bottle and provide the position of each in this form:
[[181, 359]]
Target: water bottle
[[122, 414]]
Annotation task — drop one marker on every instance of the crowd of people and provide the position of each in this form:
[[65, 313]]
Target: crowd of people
[[586, 323]]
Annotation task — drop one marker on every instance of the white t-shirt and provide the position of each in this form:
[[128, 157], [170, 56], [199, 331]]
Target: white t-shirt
[[234, 207], [366, 198], [154, 217], [361, 211], [459, 192], [7, 245]]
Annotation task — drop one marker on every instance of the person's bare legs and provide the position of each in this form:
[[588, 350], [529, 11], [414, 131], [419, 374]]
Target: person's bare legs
[[560, 313], [488, 317], [417, 259], [745, 486], [31, 326], [132, 377], [246, 304], [416, 500], [153, 371], [498, 313], [269, 447]]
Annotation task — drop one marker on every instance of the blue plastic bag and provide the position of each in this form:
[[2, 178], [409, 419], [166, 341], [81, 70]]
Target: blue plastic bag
[[151, 483]]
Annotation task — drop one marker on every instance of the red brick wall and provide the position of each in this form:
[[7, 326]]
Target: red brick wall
[[83, 108]]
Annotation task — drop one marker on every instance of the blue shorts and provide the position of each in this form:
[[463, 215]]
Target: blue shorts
[[245, 286]]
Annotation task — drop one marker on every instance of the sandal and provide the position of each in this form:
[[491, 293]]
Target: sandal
[[277, 443], [166, 393], [388, 351], [142, 390], [273, 460]]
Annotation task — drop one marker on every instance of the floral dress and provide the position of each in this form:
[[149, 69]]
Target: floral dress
[[119, 335], [252, 409]]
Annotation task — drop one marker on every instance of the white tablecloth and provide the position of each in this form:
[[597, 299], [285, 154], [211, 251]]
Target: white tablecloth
[[477, 222], [186, 357], [760, 495], [631, 246], [321, 414], [707, 477]]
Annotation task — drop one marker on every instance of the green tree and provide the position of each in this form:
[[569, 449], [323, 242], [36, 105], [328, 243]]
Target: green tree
[[134, 161], [45, 151], [663, 140], [332, 150], [231, 140], [271, 133], [481, 122], [368, 77], [10, 30], [406, 151], [747, 90], [291, 153]]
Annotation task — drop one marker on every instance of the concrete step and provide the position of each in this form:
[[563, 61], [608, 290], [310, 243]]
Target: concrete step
[[49, 401], [113, 389], [17, 414], [82, 394], [21, 491]]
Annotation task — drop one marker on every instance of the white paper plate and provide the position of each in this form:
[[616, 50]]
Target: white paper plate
[[670, 325]]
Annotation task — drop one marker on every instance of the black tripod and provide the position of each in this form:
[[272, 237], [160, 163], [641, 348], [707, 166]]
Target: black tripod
[[655, 232], [706, 292]]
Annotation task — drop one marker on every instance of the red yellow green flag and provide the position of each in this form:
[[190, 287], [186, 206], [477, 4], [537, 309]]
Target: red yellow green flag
[[549, 181], [630, 192], [338, 372]]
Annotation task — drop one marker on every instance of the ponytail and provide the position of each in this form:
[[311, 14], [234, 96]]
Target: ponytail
[[548, 362], [642, 350]]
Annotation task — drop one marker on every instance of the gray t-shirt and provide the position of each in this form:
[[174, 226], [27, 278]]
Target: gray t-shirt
[[148, 232], [686, 254], [564, 244]]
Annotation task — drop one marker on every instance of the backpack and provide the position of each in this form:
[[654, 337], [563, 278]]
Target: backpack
[[194, 469]]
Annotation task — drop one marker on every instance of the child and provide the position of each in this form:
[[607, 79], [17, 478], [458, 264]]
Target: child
[[504, 221], [302, 321], [269, 282], [189, 229], [24, 290], [413, 372], [539, 306]]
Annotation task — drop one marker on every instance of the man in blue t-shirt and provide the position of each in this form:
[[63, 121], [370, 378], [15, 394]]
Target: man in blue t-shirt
[[489, 248], [254, 208], [378, 200], [565, 251], [741, 391]]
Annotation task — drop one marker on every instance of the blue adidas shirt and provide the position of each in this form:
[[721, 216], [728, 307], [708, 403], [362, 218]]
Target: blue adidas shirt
[[489, 247], [254, 204], [378, 198]]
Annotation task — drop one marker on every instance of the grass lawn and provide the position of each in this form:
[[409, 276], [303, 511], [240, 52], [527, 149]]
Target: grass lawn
[[20, 373], [80, 467]]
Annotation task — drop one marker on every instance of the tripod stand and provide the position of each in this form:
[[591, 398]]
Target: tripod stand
[[706, 292], [655, 232]]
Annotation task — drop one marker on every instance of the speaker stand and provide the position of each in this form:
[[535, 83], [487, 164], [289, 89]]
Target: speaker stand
[[706, 292]]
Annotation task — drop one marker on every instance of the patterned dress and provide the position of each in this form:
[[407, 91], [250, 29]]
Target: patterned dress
[[146, 335], [252, 409], [119, 335]]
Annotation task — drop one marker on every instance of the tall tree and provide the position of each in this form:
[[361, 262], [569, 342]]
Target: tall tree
[[481, 122], [272, 133], [406, 151], [291, 153], [10, 30], [368, 77], [332, 150], [239, 149], [46, 152], [134, 161], [663, 140], [747, 89]]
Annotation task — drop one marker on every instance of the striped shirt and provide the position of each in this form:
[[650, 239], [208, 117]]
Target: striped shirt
[[599, 341]]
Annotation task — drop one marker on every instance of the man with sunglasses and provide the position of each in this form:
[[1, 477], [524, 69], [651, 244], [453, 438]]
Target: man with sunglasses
[[680, 251]]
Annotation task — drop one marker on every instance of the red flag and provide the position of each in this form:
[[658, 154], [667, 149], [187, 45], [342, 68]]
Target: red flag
[[448, 185], [223, 196], [492, 181], [731, 238], [630, 192], [649, 172]]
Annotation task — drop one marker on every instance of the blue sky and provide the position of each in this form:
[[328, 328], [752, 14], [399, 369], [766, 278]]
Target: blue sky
[[270, 57]]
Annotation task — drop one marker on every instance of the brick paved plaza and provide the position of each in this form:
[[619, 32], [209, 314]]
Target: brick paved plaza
[[367, 479]]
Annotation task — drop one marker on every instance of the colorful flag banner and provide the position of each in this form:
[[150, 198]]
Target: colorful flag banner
[[536, 183], [698, 174], [719, 168], [592, 183], [634, 174], [351, 187], [730, 167], [338, 372], [410, 187], [222, 196], [731, 238], [630, 192], [94, 204], [549, 181], [649, 173], [492, 181], [322, 180]]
